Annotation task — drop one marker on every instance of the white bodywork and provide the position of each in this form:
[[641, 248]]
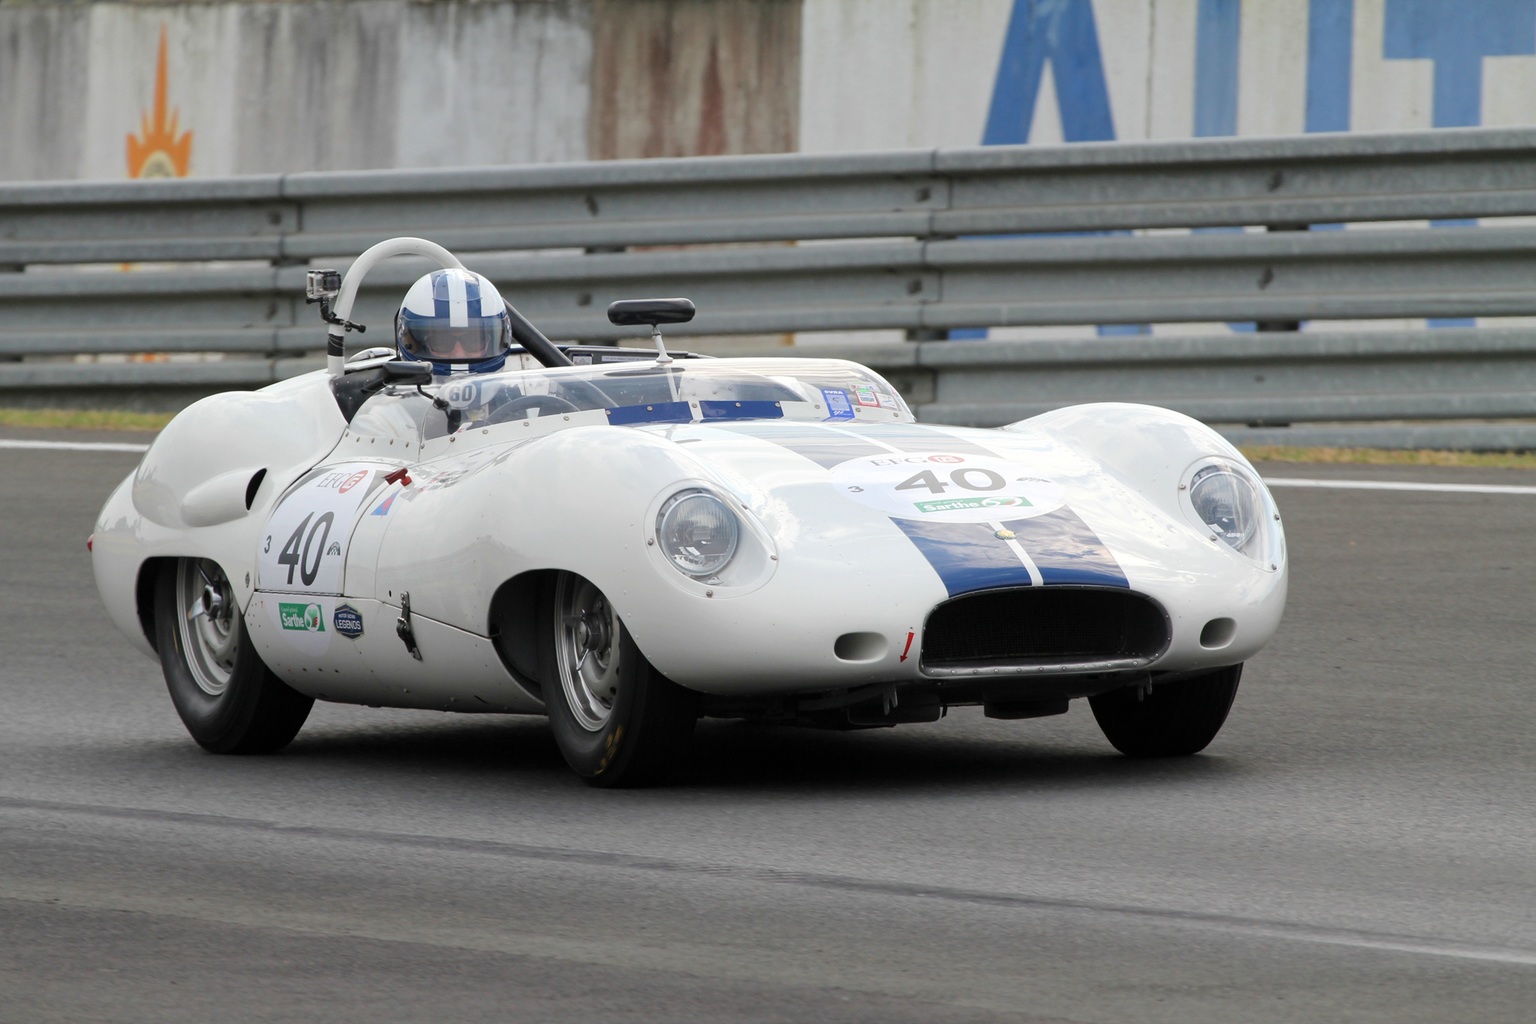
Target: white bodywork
[[829, 591]]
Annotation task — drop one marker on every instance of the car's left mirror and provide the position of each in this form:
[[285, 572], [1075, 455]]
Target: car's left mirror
[[408, 371]]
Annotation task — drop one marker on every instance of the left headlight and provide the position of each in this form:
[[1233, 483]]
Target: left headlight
[[1230, 502], [697, 532]]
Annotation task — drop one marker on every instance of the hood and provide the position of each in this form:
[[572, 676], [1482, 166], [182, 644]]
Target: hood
[[984, 509]]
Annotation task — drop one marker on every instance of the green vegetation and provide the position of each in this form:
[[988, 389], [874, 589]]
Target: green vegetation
[[106, 419], [1392, 457], [83, 419]]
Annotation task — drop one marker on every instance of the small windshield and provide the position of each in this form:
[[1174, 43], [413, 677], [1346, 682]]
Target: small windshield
[[686, 391]]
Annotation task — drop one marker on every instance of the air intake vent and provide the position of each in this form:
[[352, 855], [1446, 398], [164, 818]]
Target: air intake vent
[[1040, 626]]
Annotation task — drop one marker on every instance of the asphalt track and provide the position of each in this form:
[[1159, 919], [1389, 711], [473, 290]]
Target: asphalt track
[[1359, 844]]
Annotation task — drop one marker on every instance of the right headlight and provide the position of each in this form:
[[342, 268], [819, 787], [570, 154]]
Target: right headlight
[[1231, 503], [697, 532]]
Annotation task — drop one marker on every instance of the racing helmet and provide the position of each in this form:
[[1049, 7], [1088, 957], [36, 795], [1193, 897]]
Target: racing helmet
[[455, 320]]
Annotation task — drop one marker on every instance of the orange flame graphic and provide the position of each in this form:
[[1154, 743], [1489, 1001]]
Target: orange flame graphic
[[159, 153]]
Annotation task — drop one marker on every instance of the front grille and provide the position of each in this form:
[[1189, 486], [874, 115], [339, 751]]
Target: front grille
[[1043, 626]]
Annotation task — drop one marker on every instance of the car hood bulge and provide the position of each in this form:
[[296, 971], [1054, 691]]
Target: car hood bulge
[[983, 509]]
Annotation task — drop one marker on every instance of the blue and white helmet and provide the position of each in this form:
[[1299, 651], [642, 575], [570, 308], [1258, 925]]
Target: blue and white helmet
[[455, 320]]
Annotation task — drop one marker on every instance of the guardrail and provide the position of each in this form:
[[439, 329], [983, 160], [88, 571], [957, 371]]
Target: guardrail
[[886, 241]]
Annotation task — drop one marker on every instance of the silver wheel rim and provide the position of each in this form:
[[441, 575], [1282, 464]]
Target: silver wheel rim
[[586, 651], [205, 615]]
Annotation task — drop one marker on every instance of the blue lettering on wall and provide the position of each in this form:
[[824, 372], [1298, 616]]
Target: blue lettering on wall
[[1063, 33], [1218, 25], [1218, 31], [1330, 62], [1457, 37]]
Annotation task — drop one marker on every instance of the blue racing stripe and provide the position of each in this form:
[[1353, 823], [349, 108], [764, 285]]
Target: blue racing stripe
[[764, 410], [1067, 551], [967, 556], [657, 412]]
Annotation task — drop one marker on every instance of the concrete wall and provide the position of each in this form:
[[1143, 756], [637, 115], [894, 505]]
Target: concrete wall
[[890, 73], [349, 84], [260, 87]]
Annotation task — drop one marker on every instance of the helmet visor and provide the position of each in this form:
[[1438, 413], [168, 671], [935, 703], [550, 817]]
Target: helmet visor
[[436, 339]]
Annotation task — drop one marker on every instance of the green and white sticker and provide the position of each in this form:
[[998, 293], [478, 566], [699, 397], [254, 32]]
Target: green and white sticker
[[306, 617]]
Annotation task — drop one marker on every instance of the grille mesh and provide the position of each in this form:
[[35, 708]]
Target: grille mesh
[[1043, 625]]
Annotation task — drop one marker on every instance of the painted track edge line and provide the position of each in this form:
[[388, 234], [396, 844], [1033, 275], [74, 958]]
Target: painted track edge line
[[73, 446], [1398, 485]]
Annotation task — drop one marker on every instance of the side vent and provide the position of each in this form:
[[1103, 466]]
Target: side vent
[[254, 486]]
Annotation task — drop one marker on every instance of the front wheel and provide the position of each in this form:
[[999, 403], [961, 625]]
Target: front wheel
[[616, 720], [228, 699], [1173, 719]]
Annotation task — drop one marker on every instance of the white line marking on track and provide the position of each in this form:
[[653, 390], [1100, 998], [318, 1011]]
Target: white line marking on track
[[1397, 485], [75, 446]]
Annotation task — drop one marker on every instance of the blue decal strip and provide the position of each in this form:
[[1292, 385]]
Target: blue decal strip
[[1067, 551], [826, 448], [659, 412], [764, 410], [967, 556]]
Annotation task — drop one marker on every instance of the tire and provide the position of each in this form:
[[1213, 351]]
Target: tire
[[1174, 720], [228, 699], [617, 721]]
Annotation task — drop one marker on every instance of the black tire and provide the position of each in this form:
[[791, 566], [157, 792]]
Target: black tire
[[228, 699], [1174, 720], [617, 721]]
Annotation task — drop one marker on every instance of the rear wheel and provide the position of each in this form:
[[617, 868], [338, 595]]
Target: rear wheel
[[229, 701], [617, 721], [1173, 719]]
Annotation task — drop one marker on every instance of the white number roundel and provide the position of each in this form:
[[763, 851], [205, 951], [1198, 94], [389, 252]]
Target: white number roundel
[[941, 487], [304, 546]]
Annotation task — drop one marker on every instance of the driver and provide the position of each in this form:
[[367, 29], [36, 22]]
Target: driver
[[455, 320]]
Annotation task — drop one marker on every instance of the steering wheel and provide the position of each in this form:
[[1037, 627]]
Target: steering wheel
[[519, 408]]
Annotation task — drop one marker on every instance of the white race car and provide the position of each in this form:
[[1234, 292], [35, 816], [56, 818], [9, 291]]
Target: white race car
[[625, 541]]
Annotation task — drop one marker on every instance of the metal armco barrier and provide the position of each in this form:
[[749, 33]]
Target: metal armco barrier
[[922, 241]]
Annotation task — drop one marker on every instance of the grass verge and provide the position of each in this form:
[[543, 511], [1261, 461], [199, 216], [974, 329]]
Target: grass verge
[[107, 419], [1391, 457], [83, 419]]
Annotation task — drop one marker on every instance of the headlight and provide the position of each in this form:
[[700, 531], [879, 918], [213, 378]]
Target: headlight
[[1229, 502], [697, 532]]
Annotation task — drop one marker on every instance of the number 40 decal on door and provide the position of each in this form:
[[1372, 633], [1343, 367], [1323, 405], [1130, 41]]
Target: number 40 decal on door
[[304, 546]]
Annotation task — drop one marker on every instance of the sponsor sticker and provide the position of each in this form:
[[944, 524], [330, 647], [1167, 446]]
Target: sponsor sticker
[[348, 621], [838, 406], [460, 394], [307, 618], [865, 394], [946, 487], [956, 504]]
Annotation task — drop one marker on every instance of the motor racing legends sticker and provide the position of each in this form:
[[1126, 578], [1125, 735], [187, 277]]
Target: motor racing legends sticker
[[348, 621], [944, 487], [304, 546]]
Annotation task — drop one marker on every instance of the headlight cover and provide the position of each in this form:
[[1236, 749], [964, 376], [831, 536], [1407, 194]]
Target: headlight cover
[[1229, 501], [697, 532]]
